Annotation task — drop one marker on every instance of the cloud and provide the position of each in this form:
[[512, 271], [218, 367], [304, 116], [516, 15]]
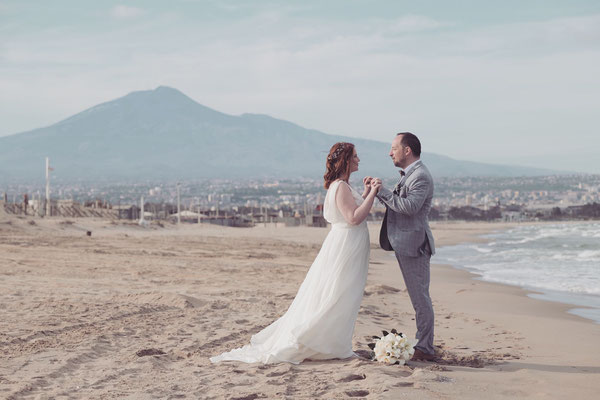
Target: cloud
[[471, 91], [123, 12], [415, 23], [527, 39]]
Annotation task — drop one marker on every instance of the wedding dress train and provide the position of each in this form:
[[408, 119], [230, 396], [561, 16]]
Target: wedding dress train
[[319, 323]]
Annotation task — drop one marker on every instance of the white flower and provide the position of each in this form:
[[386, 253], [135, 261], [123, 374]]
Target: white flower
[[380, 350], [393, 348]]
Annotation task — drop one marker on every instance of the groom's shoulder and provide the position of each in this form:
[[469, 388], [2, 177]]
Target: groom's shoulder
[[422, 173], [422, 169]]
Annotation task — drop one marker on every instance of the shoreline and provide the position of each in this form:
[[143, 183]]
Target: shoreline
[[580, 304], [473, 317]]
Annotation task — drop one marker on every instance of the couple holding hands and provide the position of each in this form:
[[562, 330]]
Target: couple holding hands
[[319, 323]]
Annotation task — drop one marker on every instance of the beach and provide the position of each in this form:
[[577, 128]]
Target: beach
[[136, 312]]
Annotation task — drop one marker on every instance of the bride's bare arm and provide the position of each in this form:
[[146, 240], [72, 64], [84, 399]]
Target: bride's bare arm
[[353, 213], [367, 186]]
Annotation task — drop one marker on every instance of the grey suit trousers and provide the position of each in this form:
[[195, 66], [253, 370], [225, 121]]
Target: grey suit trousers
[[416, 273]]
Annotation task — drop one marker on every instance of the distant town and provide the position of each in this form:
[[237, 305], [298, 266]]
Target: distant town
[[300, 201]]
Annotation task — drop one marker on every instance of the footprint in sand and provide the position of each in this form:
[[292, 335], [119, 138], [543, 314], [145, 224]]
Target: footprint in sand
[[352, 377], [404, 384], [445, 357], [364, 354], [380, 289], [250, 397], [279, 371], [149, 352], [357, 393]]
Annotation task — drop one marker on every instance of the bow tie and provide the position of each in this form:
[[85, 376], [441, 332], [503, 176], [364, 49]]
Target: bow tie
[[402, 173]]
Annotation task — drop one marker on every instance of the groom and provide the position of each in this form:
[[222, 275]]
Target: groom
[[405, 230]]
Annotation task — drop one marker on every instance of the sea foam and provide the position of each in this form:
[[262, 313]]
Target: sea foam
[[556, 258]]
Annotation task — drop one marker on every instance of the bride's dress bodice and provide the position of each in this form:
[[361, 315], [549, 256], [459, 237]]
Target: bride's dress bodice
[[332, 213]]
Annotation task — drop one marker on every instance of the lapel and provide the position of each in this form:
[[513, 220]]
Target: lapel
[[413, 169], [405, 177]]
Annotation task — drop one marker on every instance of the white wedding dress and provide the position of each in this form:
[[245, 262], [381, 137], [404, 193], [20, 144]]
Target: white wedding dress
[[319, 323]]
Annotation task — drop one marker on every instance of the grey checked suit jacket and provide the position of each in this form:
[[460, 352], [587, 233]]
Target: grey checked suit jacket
[[405, 227]]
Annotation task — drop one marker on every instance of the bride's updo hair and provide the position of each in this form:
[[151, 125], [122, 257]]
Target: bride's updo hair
[[338, 162]]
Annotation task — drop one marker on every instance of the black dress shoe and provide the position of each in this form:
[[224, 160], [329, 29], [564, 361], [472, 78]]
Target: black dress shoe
[[421, 356]]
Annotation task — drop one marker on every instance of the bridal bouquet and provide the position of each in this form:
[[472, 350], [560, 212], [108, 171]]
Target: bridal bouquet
[[392, 348]]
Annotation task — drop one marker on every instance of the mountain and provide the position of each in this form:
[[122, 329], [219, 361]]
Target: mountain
[[163, 134]]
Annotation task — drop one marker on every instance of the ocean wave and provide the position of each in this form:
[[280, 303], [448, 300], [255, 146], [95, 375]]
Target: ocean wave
[[589, 254], [561, 257], [482, 249], [562, 286]]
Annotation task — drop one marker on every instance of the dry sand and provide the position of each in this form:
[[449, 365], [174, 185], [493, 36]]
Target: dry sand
[[133, 312]]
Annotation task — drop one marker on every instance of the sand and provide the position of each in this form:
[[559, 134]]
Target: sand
[[132, 312]]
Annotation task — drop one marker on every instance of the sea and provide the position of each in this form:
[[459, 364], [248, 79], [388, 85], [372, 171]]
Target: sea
[[559, 262]]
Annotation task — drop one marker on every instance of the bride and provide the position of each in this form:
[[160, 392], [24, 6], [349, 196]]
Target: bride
[[319, 323]]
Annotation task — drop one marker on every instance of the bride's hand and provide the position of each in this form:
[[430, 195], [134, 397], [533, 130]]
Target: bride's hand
[[375, 185], [367, 186]]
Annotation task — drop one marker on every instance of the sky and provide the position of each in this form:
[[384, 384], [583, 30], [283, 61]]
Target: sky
[[505, 82]]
